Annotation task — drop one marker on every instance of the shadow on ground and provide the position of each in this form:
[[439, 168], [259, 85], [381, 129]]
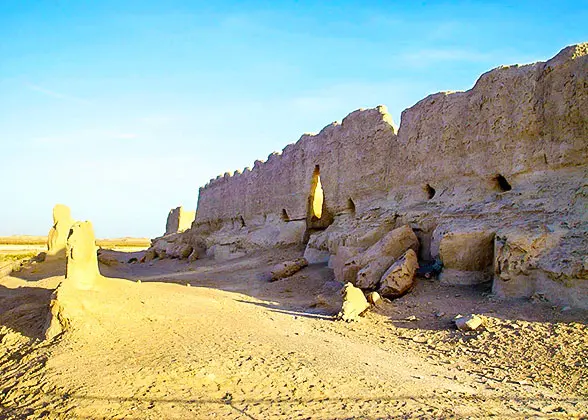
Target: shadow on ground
[[313, 292], [25, 309]]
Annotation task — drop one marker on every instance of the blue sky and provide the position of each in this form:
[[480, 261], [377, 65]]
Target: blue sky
[[122, 109]]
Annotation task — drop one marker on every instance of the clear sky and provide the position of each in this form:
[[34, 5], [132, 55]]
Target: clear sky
[[122, 109]]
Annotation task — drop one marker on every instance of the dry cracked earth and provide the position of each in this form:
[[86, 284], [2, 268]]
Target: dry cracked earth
[[174, 340]]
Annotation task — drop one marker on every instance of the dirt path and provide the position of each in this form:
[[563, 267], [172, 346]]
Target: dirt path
[[233, 345]]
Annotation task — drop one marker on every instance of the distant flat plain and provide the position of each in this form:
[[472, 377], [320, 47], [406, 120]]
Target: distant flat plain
[[31, 245]]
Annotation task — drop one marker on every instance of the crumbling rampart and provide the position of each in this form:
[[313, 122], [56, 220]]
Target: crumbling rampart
[[491, 180], [516, 119], [347, 156]]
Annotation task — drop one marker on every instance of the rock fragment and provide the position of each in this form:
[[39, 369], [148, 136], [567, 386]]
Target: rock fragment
[[369, 276], [374, 298], [185, 251], [399, 278], [354, 303], [467, 257], [393, 245], [340, 260], [287, 268], [468, 322], [193, 256], [374, 262], [150, 255]]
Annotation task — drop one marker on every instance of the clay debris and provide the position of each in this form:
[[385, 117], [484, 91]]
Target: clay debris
[[369, 276], [374, 298], [175, 246], [468, 322], [287, 268], [366, 269], [392, 245], [354, 303], [400, 277]]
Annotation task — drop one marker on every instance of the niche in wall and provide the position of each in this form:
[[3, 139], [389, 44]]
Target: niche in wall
[[285, 217], [501, 184]]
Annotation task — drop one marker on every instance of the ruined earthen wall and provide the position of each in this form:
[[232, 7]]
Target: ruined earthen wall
[[178, 220], [349, 156], [515, 120]]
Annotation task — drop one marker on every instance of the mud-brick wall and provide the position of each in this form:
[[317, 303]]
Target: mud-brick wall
[[515, 120], [349, 158]]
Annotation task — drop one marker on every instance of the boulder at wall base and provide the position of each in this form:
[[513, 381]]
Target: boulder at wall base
[[365, 270], [287, 268], [399, 278], [369, 276], [150, 255], [354, 303], [185, 251], [349, 272], [467, 257], [392, 245], [106, 258], [339, 260], [316, 256], [194, 255], [161, 254]]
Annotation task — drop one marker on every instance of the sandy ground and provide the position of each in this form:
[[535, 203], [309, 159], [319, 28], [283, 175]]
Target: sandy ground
[[233, 345]]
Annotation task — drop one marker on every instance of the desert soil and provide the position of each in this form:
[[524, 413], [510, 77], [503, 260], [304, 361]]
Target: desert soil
[[174, 340]]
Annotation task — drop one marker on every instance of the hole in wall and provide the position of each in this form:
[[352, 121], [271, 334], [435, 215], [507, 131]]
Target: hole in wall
[[318, 217], [285, 217], [501, 183], [317, 196], [430, 191], [242, 221], [350, 206]]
